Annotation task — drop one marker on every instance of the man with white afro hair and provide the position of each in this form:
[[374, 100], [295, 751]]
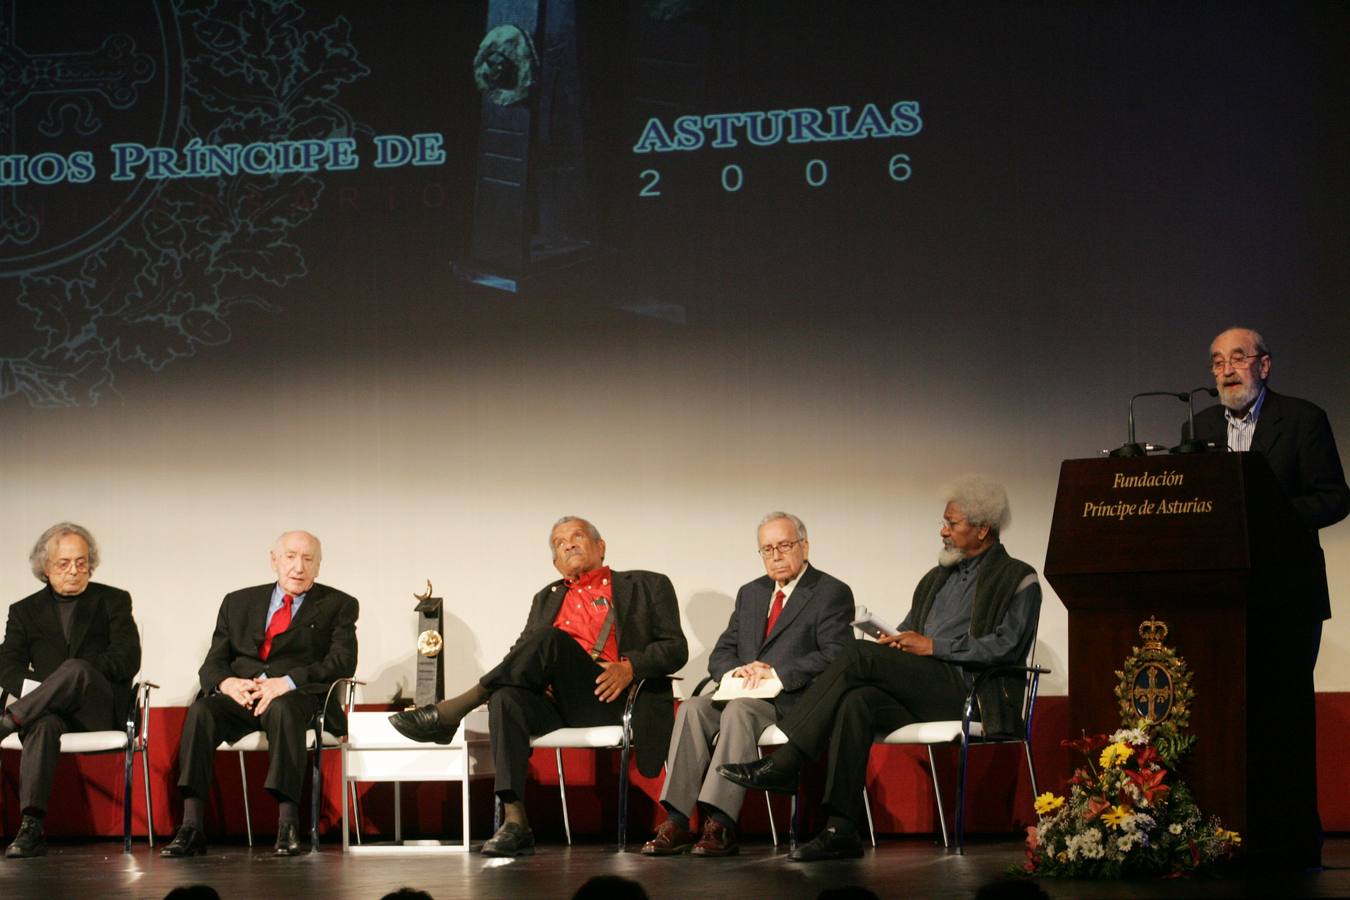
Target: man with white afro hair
[[976, 609]]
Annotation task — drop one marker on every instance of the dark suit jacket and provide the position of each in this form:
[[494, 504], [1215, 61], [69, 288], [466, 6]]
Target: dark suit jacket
[[104, 633], [318, 648], [1295, 438], [647, 628], [808, 634]]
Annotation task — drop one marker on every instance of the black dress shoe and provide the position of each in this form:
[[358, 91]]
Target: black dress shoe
[[288, 840], [760, 775], [29, 842], [188, 841], [829, 844], [510, 840], [423, 724]]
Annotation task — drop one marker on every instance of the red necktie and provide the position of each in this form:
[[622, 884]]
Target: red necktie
[[774, 612], [281, 620]]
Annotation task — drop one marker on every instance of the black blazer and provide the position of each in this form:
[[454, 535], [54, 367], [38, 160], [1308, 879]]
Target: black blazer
[[1295, 438], [318, 648], [809, 633], [104, 633], [647, 628]]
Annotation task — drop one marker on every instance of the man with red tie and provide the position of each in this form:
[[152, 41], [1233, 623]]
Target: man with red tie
[[588, 636], [787, 625], [276, 650]]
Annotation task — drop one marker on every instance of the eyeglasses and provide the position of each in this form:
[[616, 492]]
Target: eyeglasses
[[782, 547], [1239, 359], [65, 565], [949, 525]]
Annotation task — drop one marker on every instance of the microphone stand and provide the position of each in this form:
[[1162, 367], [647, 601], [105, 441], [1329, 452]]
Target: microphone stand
[[1192, 444], [1132, 447]]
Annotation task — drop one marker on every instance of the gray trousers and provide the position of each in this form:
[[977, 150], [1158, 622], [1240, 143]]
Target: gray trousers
[[691, 763]]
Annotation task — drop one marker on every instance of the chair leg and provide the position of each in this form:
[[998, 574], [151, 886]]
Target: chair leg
[[356, 809], [316, 797], [562, 792], [149, 804], [126, 796], [794, 808], [243, 781], [961, 798], [623, 798], [867, 808], [937, 793], [1031, 770], [773, 829]]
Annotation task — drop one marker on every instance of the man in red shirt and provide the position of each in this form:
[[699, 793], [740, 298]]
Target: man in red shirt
[[588, 637]]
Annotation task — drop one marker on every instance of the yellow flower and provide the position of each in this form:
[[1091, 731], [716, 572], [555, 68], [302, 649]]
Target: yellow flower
[[1115, 754], [1231, 837], [1115, 815], [1047, 803]]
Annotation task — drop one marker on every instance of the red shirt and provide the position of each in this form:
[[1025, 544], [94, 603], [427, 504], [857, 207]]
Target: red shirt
[[583, 611]]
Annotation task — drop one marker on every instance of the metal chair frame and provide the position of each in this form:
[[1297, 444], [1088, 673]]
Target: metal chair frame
[[317, 740], [969, 732], [572, 739], [133, 739]]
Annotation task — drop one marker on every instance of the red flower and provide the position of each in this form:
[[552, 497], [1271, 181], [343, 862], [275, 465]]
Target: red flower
[[1150, 783], [1095, 807], [1087, 744], [1147, 757]]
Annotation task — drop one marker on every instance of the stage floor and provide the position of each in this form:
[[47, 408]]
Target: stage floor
[[899, 867]]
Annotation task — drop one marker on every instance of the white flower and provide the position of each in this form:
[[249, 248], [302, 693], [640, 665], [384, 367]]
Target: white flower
[[1175, 828], [1134, 736]]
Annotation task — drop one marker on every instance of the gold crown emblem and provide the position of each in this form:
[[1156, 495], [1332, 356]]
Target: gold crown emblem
[[1154, 632]]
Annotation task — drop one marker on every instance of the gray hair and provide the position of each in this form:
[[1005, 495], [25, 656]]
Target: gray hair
[[37, 560], [981, 500], [590, 529], [1257, 339], [779, 514]]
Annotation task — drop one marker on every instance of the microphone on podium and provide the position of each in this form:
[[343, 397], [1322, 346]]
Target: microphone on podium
[[1132, 447], [1192, 444]]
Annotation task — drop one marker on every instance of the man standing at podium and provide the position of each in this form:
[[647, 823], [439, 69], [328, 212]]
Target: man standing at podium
[[1295, 438]]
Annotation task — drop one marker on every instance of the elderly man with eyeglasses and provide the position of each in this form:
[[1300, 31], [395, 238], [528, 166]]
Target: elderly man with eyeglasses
[[786, 627], [977, 608], [1295, 438], [75, 638]]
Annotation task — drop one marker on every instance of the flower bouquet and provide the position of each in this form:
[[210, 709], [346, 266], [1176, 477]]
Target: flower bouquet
[[1126, 815]]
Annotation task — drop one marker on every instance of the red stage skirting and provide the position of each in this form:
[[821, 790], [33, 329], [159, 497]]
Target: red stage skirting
[[87, 799]]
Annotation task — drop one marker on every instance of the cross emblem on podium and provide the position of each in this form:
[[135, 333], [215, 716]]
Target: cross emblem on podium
[[113, 71], [1153, 693]]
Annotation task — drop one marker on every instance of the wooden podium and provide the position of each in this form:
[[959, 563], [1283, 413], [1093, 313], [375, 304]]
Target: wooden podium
[[1208, 544]]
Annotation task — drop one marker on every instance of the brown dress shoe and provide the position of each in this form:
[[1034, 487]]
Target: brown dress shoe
[[670, 839], [717, 840]]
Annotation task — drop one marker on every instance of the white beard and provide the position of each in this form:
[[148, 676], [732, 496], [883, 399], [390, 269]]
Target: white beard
[[949, 556], [1240, 396]]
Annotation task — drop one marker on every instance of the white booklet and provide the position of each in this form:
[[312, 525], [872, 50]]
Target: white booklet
[[870, 624], [732, 687], [28, 686]]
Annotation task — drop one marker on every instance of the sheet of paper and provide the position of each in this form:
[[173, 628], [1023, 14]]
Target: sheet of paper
[[732, 687]]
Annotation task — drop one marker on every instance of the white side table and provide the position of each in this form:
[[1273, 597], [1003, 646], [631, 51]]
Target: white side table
[[374, 751]]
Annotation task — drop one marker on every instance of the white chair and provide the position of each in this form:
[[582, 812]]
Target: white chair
[[968, 732], [598, 737], [315, 737], [132, 739]]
